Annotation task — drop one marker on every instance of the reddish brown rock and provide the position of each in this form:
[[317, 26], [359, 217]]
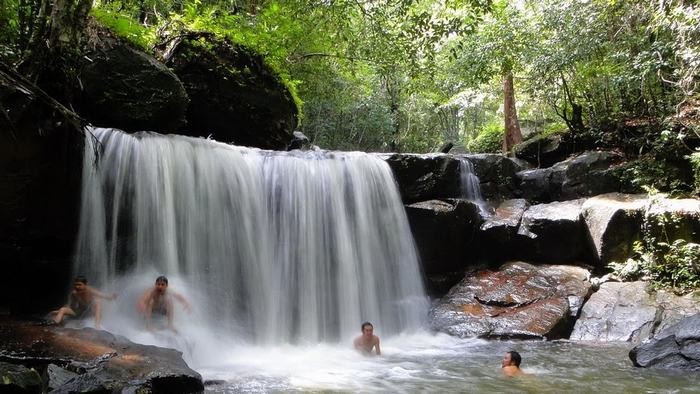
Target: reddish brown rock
[[518, 301]]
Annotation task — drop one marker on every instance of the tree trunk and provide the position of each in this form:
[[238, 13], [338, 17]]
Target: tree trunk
[[512, 135]]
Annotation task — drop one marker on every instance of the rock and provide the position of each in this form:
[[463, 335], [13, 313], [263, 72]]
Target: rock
[[613, 222], [553, 232], [519, 301], [58, 376], [496, 174], [127, 89], [18, 379], [628, 312], [103, 362], [425, 177], [588, 174], [235, 97], [542, 150], [676, 347], [499, 231], [675, 219], [445, 232], [299, 141], [41, 154]]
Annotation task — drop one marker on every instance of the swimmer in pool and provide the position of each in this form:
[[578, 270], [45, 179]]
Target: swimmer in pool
[[510, 365], [367, 341]]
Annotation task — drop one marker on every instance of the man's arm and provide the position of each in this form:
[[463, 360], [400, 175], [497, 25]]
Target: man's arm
[[100, 294], [182, 300], [145, 299], [376, 347]]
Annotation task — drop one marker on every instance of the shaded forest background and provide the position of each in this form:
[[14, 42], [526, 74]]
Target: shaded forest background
[[411, 75]]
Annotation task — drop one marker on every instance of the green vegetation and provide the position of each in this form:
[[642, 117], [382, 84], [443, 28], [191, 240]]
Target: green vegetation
[[489, 139], [409, 75], [666, 261]]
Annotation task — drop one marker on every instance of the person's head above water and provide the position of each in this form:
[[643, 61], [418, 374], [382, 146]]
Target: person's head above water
[[161, 283], [512, 358], [79, 283], [367, 329]]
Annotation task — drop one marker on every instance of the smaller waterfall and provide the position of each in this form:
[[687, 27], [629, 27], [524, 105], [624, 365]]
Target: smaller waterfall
[[469, 186]]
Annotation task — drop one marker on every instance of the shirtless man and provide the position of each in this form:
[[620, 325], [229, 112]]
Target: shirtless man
[[159, 301], [511, 364], [83, 300], [367, 340]]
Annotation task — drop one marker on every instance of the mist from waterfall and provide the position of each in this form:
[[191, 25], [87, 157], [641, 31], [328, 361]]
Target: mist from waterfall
[[273, 247]]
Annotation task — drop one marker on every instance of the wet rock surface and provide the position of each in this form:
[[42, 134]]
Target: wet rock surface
[[89, 360], [627, 311], [425, 177], [499, 231], [676, 347], [518, 301], [552, 233], [19, 379]]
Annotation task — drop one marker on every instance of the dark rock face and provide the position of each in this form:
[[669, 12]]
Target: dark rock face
[[628, 312], [18, 379], [299, 141], [41, 153], [445, 232], [89, 360], [588, 174], [499, 231], [234, 96], [552, 233], [130, 90], [542, 151], [677, 347], [613, 222], [519, 301], [425, 177]]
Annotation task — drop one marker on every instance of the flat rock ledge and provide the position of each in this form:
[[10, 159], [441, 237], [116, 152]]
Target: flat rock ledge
[[518, 301], [88, 360]]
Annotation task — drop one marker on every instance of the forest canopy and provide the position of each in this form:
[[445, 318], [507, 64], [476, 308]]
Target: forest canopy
[[411, 75]]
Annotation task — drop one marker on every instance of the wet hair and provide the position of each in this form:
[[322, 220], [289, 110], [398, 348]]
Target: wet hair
[[515, 358], [366, 324], [80, 279], [162, 279]]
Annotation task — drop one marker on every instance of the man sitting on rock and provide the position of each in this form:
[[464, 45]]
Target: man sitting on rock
[[159, 301], [511, 364], [83, 301], [367, 340]]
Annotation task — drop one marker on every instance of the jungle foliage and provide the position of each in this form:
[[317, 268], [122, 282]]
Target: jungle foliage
[[409, 75]]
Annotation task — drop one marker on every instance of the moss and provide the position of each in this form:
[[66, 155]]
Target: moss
[[125, 28]]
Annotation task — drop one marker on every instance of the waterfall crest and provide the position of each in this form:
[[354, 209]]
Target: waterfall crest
[[285, 246]]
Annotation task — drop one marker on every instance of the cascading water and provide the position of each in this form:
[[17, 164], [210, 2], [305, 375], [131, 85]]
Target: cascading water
[[469, 186], [281, 247]]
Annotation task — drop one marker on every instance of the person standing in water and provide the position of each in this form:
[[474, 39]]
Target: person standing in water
[[159, 301], [367, 341], [510, 365], [83, 301]]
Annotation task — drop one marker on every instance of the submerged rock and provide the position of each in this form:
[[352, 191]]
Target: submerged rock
[[629, 312], [676, 347], [519, 301], [89, 360]]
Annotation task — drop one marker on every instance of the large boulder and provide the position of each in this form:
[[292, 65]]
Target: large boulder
[[41, 154], [553, 233], [588, 174], [88, 360], [613, 222], [128, 89], [425, 177], [19, 379], [676, 347], [234, 96], [672, 219], [519, 301], [499, 231], [542, 150], [445, 232], [630, 312]]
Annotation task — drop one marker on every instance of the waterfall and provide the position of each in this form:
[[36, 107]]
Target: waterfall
[[469, 186], [286, 247]]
